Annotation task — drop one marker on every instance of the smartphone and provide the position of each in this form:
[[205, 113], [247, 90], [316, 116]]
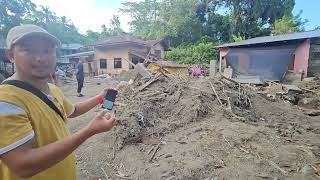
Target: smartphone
[[109, 99]]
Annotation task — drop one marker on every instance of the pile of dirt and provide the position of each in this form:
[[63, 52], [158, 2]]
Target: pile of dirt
[[201, 128], [312, 94], [157, 109], [170, 103], [126, 75]]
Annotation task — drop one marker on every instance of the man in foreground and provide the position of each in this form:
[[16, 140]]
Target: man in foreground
[[35, 142]]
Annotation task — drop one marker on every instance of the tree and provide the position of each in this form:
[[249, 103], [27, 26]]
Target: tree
[[175, 19], [115, 26], [92, 36], [187, 21], [288, 24], [61, 27], [12, 13], [251, 18], [200, 52]]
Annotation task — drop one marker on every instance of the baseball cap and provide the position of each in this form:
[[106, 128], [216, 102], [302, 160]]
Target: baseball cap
[[18, 33]]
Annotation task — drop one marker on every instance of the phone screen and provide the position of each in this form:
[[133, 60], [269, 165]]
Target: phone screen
[[109, 99]]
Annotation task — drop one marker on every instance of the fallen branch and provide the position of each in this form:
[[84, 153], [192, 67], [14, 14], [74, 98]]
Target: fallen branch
[[308, 90], [105, 174], [242, 149], [229, 105], [122, 177], [154, 152], [226, 140], [238, 117], [231, 80], [151, 149], [277, 167], [150, 82], [214, 90]]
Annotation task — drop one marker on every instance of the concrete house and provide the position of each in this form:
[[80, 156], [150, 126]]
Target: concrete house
[[273, 57], [120, 53], [88, 59]]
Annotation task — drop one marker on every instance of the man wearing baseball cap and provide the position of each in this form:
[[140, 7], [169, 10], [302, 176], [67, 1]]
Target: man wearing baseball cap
[[35, 142]]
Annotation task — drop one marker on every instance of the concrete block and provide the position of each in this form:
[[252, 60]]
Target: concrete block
[[213, 68], [143, 71]]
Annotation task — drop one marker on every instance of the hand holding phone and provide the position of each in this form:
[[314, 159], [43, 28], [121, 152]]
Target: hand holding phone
[[110, 98]]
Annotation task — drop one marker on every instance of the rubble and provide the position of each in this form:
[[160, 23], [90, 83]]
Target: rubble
[[163, 103], [196, 128]]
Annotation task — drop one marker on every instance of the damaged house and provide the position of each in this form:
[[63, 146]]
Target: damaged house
[[272, 57], [121, 53]]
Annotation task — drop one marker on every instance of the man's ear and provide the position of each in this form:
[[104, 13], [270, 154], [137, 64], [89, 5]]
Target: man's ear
[[9, 54]]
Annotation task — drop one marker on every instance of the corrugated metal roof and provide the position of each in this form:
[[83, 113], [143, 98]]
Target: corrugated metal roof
[[119, 40], [88, 53], [268, 39], [71, 46]]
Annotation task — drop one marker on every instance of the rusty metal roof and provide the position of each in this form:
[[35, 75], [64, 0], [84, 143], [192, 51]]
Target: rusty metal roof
[[88, 53], [120, 40], [269, 39]]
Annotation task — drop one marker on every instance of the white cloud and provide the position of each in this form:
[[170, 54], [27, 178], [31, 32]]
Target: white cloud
[[84, 14]]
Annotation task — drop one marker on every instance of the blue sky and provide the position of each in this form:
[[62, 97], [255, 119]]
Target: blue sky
[[91, 14], [311, 12]]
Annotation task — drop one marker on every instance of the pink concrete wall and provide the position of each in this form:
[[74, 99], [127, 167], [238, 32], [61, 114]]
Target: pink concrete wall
[[301, 60], [223, 52], [222, 63]]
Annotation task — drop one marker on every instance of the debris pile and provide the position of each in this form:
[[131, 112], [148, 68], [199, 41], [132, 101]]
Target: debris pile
[[164, 103], [177, 127]]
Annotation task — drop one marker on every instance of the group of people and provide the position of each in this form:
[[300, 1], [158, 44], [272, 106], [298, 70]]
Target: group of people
[[35, 142]]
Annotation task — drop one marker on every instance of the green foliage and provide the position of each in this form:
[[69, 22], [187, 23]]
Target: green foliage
[[237, 38], [61, 27], [173, 19], [199, 53], [181, 22], [287, 24], [186, 21], [114, 29], [12, 13]]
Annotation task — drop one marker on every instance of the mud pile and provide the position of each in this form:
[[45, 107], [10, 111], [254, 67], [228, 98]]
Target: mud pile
[[169, 103]]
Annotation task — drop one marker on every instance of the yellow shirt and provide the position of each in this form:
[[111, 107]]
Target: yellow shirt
[[24, 116]]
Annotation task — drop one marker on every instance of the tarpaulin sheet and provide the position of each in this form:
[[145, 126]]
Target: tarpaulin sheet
[[269, 63]]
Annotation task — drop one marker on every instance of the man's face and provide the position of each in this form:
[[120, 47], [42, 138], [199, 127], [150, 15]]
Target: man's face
[[34, 57]]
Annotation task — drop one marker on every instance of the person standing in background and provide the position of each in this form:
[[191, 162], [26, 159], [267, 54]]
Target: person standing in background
[[80, 77]]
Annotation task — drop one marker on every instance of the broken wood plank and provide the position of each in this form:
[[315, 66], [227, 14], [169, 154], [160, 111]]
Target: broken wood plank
[[154, 79], [308, 90], [154, 152], [277, 167], [131, 63], [215, 92], [105, 174], [122, 177], [231, 80]]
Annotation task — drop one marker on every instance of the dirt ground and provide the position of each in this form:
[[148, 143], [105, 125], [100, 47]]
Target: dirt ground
[[176, 128]]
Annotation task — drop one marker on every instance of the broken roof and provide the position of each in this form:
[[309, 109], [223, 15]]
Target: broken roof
[[71, 46], [125, 38], [269, 39], [121, 39], [153, 42], [88, 53]]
